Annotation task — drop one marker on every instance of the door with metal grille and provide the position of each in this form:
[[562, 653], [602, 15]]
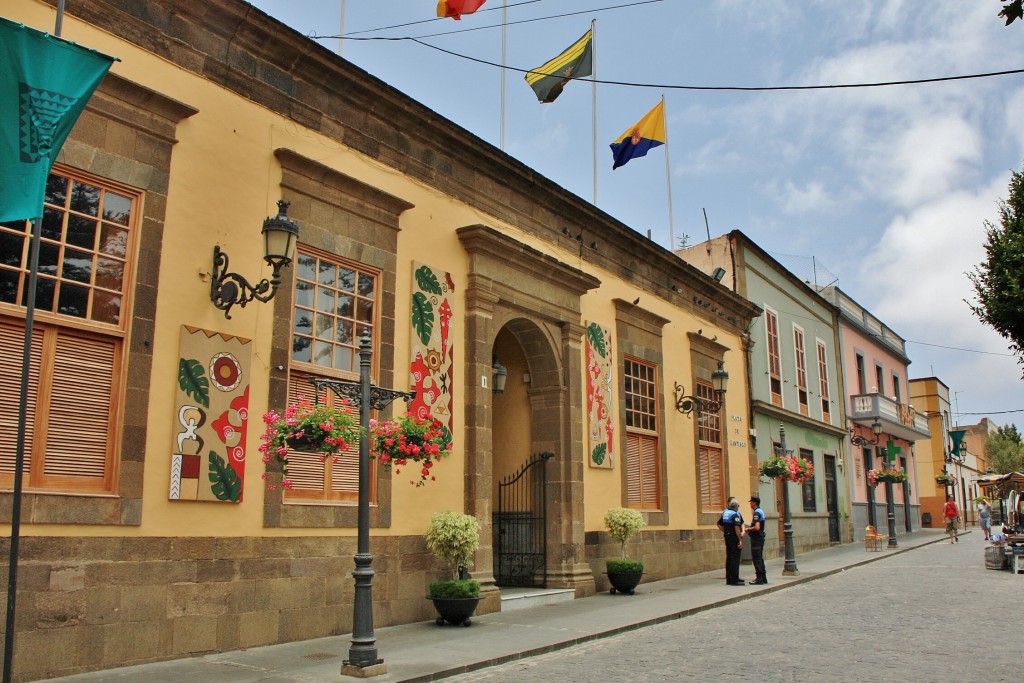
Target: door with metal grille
[[520, 526]]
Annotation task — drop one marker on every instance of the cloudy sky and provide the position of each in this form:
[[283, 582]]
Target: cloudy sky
[[886, 188]]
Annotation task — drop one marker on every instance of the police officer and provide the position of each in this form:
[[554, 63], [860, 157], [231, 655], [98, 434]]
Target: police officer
[[731, 526], [756, 532]]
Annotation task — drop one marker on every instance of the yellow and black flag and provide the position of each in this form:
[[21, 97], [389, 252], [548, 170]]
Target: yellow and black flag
[[549, 79]]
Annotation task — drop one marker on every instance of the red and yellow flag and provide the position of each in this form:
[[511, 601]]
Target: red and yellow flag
[[456, 8]]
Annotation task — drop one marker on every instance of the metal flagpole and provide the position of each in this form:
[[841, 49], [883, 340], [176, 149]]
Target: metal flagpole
[[504, 42], [593, 75], [668, 178], [60, 18]]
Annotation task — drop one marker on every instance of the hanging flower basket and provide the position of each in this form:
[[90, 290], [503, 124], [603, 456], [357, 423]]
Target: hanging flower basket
[[945, 480], [305, 426], [422, 441], [885, 474], [788, 467]]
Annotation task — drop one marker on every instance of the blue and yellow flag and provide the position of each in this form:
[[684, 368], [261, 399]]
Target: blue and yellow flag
[[577, 60], [648, 133], [45, 83]]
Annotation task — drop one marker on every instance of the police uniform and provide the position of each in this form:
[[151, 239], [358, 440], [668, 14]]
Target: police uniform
[[730, 521], [757, 546]]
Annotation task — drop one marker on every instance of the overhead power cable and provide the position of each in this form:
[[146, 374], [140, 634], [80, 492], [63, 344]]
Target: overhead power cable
[[433, 19], [671, 86]]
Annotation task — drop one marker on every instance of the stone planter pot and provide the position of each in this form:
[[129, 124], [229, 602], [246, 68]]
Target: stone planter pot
[[454, 611], [623, 582]]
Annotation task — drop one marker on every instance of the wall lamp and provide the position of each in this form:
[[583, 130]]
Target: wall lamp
[[858, 440], [280, 234], [500, 376], [719, 382]]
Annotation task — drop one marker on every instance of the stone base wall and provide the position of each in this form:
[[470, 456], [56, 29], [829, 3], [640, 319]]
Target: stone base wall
[[665, 553], [86, 604]]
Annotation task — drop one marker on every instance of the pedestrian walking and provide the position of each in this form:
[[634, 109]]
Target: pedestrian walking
[[731, 526], [949, 512], [985, 517], [755, 530]]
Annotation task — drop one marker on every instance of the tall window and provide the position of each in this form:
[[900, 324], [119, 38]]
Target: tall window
[[335, 302], [801, 370], [880, 378], [809, 496], [643, 476], [771, 322], [826, 408], [85, 263], [862, 381], [710, 456], [896, 388]]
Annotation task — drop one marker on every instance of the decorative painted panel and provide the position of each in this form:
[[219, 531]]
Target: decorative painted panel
[[211, 411], [433, 358], [600, 426]]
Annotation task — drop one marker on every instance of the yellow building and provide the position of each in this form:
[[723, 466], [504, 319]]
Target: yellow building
[[148, 532], [930, 397]]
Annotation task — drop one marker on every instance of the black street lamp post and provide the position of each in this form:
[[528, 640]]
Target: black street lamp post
[[362, 655], [789, 568], [890, 513]]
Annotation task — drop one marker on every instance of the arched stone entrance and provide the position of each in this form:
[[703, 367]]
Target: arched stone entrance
[[521, 300]]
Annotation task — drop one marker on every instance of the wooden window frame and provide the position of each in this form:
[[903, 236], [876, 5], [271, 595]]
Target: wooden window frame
[[642, 433], [771, 320], [332, 491], [823, 388], [67, 343], [710, 453], [862, 373], [800, 351], [808, 493]]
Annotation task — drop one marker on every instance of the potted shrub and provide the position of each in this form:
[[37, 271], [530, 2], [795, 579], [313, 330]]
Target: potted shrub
[[454, 537], [623, 574]]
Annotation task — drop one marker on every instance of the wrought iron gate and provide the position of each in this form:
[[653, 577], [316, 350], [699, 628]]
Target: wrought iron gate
[[520, 527]]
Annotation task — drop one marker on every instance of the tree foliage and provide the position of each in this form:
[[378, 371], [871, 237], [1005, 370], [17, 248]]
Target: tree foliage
[[1004, 450], [1012, 10], [999, 280]]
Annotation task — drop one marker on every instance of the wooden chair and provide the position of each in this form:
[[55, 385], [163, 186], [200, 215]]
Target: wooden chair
[[872, 539]]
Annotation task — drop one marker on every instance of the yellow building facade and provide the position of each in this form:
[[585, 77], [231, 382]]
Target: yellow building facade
[[148, 532]]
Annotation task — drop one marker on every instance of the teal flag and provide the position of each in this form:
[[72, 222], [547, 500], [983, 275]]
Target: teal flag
[[45, 83]]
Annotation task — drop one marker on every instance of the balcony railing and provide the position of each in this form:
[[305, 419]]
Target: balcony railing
[[898, 419]]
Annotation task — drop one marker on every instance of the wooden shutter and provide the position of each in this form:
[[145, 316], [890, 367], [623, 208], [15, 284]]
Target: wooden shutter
[[12, 340], [712, 478], [82, 406], [312, 477], [642, 485]]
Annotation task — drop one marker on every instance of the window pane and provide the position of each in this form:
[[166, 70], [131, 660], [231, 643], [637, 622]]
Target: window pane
[[48, 258], [344, 358], [323, 327], [117, 208], [109, 273], [301, 350], [346, 279], [324, 300], [322, 354], [8, 286], [303, 321], [77, 266], [85, 198], [56, 189], [106, 307], [74, 300], [114, 241], [44, 294], [365, 286], [303, 294], [364, 311], [327, 274], [81, 232], [11, 249], [306, 267], [16, 226], [53, 223], [345, 305], [344, 330]]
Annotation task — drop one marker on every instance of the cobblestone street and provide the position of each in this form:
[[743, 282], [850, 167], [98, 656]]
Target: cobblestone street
[[932, 614]]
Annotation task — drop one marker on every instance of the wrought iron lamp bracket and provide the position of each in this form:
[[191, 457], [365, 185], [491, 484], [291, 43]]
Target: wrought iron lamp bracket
[[687, 404], [228, 289], [858, 440]]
